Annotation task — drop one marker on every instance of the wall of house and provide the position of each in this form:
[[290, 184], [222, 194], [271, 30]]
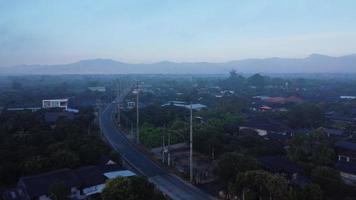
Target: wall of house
[[93, 189], [348, 178], [43, 197]]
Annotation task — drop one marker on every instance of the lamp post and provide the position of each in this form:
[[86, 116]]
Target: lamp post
[[137, 115]]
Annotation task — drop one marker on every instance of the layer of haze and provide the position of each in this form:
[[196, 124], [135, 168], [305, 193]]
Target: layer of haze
[[136, 31]]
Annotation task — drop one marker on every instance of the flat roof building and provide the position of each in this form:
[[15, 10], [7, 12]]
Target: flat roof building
[[55, 103]]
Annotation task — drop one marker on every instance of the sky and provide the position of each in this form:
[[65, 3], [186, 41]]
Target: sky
[[147, 31]]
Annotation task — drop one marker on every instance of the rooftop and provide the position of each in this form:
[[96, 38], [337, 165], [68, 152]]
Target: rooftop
[[38, 185], [346, 145], [346, 167]]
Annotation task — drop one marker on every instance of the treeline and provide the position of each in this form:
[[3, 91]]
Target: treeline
[[29, 146], [244, 176]]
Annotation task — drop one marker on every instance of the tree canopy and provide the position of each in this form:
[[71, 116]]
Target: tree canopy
[[130, 188]]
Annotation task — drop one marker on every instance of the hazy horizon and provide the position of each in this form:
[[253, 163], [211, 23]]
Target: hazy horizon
[[179, 62], [42, 32]]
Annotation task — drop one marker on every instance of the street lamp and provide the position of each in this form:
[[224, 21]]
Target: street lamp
[[191, 143], [136, 91]]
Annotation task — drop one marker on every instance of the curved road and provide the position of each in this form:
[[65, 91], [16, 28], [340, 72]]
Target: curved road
[[171, 185]]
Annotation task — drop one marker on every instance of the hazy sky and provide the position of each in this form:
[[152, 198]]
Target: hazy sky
[[46, 32]]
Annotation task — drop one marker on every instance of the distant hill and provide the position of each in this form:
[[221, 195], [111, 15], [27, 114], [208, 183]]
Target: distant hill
[[315, 63]]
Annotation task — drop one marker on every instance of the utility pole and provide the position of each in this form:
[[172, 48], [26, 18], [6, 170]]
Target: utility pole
[[169, 147], [118, 102], [119, 114], [191, 143], [163, 149], [98, 102], [137, 116]]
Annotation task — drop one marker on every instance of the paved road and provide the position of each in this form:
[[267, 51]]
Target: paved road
[[169, 184]]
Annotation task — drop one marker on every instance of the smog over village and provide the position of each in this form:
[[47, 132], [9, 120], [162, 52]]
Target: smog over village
[[177, 100]]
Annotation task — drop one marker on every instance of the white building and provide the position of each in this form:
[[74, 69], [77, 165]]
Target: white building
[[97, 89], [131, 104], [348, 97], [55, 103]]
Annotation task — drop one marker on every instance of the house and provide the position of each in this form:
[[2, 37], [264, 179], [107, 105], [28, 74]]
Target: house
[[131, 104], [32, 109], [275, 100], [97, 89], [348, 97], [282, 100], [37, 186], [265, 108], [282, 139], [55, 103], [83, 182], [282, 165], [104, 160], [347, 172], [338, 117], [346, 151], [330, 132], [346, 161], [195, 106], [252, 130], [265, 126]]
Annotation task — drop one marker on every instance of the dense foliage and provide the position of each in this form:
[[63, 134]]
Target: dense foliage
[[30, 146], [130, 188]]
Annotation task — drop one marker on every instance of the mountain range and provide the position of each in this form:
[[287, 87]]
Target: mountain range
[[314, 63]]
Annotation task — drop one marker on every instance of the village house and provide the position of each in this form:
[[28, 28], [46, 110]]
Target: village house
[[83, 182], [346, 161], [281, 165]]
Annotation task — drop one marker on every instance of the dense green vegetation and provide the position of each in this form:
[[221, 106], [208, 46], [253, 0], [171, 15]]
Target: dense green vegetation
[[130, 188], [217, 131], [30, 146]]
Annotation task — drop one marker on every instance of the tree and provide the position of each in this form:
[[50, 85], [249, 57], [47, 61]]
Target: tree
[[65, 158], [328, 178], [230, 164], [16, 85], [129, 188], [310, 192], [36, 164], [305, 115], [235, 81], [256, 80], [260, 184], [58, 191], [313, 148], [150, 136]]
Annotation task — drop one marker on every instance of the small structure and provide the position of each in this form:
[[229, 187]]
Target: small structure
[[346, 151], [82, 182], [265, 108], [336, 133], [259, 131], [348, 97], [32, 109], [347, 172], [177, 156], [284, 166], [55, 103], [131, 105], [282, 100], [97, 89], [195, 106]]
